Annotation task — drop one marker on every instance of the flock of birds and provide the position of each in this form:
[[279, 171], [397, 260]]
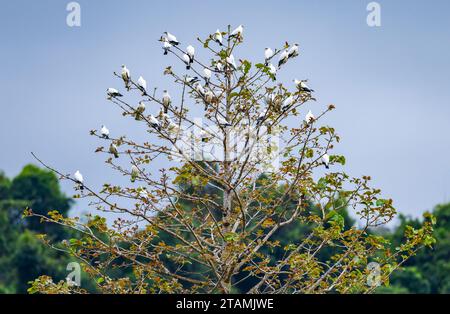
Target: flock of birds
[[168, 41]]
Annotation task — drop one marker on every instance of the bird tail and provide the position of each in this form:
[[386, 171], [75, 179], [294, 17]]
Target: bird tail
[[188, 66], [116, 155]]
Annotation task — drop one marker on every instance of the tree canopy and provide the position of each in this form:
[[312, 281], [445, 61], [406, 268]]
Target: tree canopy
[[249, 203]]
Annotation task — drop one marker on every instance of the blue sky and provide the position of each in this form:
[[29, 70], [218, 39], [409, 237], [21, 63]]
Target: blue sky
[[389, 83]]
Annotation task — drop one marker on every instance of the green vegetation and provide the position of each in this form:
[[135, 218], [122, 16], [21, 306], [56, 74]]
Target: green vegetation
[[23, 257]]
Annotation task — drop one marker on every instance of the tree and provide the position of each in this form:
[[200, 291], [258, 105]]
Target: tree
[[22, 256], [233, 150], [429, 270], [39, 189]]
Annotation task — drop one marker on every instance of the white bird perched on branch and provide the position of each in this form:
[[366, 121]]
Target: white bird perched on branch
[[139, 110], [209, 96], [79, 179], [273, 71], [261, 117], [237, 32], [126, 76], [326, 161], [207, 75], [218, 37], [223, 122], [293, 51], [270, 98], [287, 102], [113, 150], [199, 89], [173, 128], [142, 85], [301, 85], [112, 93], [231, 62], [134, 173], [154, 123], [284, 56], [309, 117], [166, 101], [191, 80], [190, 51], [171, 38], [187, 61], [166, 46], [219, 66], [268, 54], [105, 132]]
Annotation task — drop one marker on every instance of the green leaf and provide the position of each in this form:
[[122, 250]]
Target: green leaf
[[246, 66], [231, 237]]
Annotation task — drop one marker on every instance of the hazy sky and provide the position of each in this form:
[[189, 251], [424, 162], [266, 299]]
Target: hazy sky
[[389, 83]]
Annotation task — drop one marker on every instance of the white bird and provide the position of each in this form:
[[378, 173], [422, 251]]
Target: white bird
[[190, 51], [139, 110], [261, 116], [209, 95], [302, 86], [309, 117], [163, 116], [166, 46], [218, 37], [268, 53], [219, 66], [187, 61], [154, 123], [237, 32], [173, 127], [166, 101], [113, 150], [199, 89], [112, 93], [191, 80], [171, 38], [223, 122], [142, 85], [79, 179], [287, 102], [326, 161], [305, 87], [293, 51], [270, 98], [105, 132], [284, 56], [207, 75], [143, 193], [231, 62], [273, 71], [126, 76], [134, 173]]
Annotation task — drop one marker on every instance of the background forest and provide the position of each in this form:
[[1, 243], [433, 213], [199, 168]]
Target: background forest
[[23, 257]]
